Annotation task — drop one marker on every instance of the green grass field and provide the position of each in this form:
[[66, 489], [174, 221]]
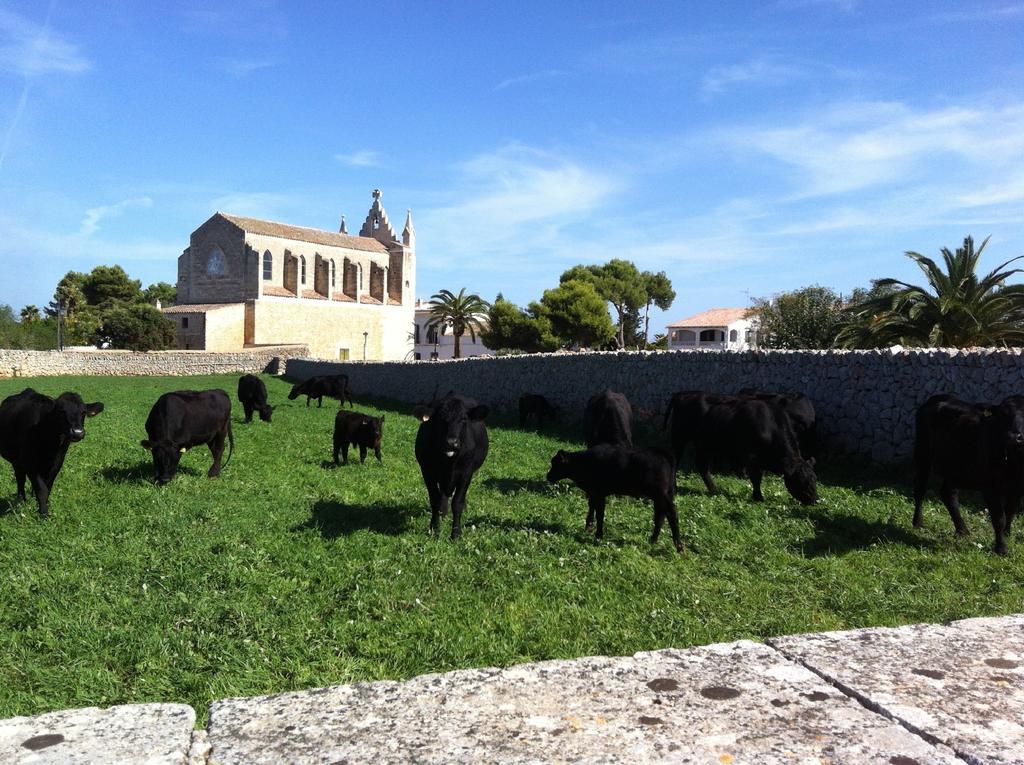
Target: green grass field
[[282, 574]]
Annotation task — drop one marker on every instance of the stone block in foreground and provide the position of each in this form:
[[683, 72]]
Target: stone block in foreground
[[960, 684], [154, 734], [729, 703]]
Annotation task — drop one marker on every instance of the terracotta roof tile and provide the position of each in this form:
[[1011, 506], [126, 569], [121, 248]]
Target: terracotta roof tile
[[303, 234], [273, 289], [196, 307], [341, 297], [313, 295], [369, 300], [392, 301], [716, 317]]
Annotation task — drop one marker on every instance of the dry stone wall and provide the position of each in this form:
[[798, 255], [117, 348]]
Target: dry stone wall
[[865, 399], [126, 363]]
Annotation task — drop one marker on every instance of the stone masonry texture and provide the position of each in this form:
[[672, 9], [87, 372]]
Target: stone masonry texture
[[865, 400]]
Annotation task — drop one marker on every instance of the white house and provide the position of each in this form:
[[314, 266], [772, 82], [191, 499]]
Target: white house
[[718, 328], [431, 344]]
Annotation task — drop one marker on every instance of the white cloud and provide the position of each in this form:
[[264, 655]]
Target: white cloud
[[91, 222], [257, 204], [29, 49], [361, 158], [242, 67], [757, 72], [547, 74]]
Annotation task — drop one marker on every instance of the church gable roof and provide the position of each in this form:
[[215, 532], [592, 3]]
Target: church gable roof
[[303, 234]]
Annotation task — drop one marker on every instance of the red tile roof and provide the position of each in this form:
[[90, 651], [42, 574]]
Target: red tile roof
[[303, 234], [369, 300], [313, 295], [716, 317], [273, 289], [343, 298], [196, 307]]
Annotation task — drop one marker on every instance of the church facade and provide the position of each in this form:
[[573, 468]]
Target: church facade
[[245, 282]]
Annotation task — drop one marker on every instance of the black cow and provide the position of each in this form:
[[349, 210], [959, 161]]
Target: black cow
[[252, 394], [605, 469], [686, 410], [332, 386], [451, 445], [608, 419], [35, 433], [357, 429], [535, 405], [971, 446], [183, 419], [801, 414], [760, 437]]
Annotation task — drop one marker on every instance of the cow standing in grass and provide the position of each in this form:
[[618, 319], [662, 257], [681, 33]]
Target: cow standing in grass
[[183, 419], [252, 394], [535, 405], [357, 429], [971, 446], [451, 445], [35, 433], [605, 470], [684, 413], [608, 419], [332, 386], [801, 414]]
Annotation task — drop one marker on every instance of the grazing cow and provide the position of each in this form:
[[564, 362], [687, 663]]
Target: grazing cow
[[183, 419], [801, 414], [760, 437], [357, 429], [971, 446], [35, 433], [686, 410], [252, 394], [534, 404], [608, 419], [604, 470], [332, 386], [451, 445]]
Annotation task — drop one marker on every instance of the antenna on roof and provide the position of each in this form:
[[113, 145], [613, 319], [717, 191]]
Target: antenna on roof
[[343, 229]]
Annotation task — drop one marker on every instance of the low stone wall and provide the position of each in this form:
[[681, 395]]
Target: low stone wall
[[125, 363], [865, 399]]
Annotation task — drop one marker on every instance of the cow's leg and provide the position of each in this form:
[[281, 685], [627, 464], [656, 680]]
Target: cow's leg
[[337, 451], [591, 505], [248, 411], [216, 449], [344, 452], [664, 507], [376, 453], [920, 488], [951, 499], [319, 402], [362, 454], [19, 477], [41, 488], [458, 505], [997, 513], [755, 473], [1012, 507], [704, 469], [434, 493]]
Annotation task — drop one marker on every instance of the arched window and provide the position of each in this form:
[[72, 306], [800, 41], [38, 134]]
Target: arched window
[[384, 297], [332, 274], [215, 264], [733, 335], [684, 337], [268, 266], [359, 272], [712, 335], [416, 332], [432, 334], [302, 269]]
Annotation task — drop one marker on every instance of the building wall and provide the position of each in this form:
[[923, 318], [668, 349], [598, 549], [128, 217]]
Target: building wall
[[192, 337], [865, 400], [200, 286], [225, 328], [327, 326], [126, 363]]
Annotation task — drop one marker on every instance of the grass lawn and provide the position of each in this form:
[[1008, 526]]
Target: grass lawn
[[282, 574]]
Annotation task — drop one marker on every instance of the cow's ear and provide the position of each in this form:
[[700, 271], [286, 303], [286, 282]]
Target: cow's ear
[[365, 422], [421, 413], [146, 444], [478, 412], [91, 410], [182, 450]]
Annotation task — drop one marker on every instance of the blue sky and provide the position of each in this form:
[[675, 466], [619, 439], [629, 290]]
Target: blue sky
[[743, 148]]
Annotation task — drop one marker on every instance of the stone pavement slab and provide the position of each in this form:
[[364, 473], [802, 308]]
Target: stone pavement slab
[[961, 684], [154, 734], [722, 704]]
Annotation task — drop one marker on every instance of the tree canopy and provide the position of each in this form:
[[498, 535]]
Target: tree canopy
[[461, 313], [578, 314], [808, 317]]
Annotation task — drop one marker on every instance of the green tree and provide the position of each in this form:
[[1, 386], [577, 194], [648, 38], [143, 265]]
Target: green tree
[[805, 318], [166, 293], [68, 294], [511, 328], [29, 314], [659, 292], [578, 314], [38, 334], [135, 327], [957, 308], [109, 285], [461, 313], [620, 283]]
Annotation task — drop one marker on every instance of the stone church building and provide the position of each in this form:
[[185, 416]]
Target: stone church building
[[245, 282]]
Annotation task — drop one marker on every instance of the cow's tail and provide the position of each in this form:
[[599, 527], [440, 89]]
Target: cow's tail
[[668, 412], [231, 445]]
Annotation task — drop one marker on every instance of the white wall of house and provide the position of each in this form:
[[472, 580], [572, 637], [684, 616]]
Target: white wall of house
[[737, 335]]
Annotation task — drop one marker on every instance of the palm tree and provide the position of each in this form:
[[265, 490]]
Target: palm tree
[[460, 312], [959, 310], [29, 314]]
